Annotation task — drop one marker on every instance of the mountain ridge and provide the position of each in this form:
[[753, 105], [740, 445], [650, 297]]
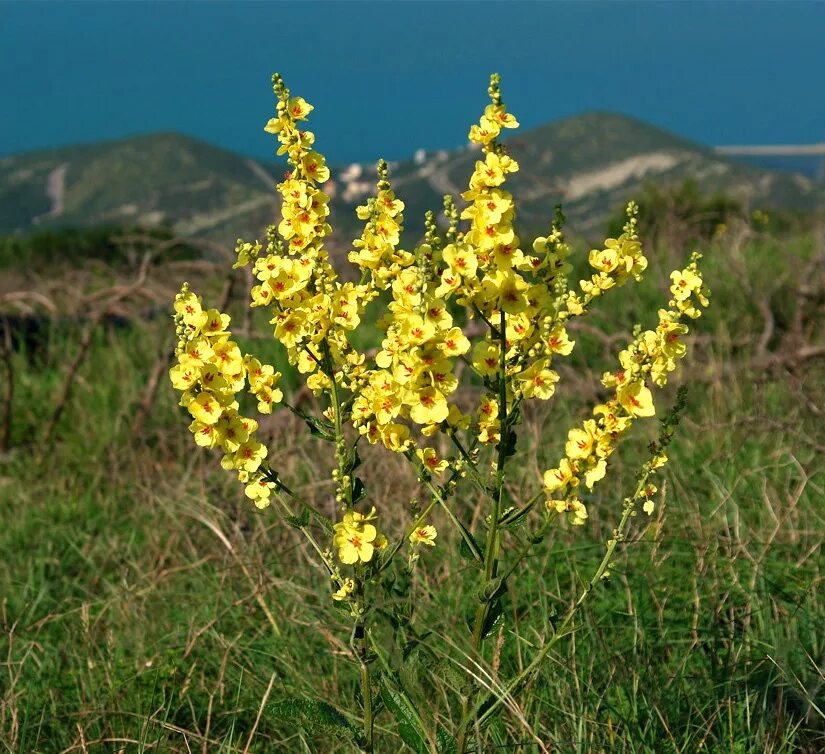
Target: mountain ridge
[[591, 163]]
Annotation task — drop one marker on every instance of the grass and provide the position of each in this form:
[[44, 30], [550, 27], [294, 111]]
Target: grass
[[147, 607]]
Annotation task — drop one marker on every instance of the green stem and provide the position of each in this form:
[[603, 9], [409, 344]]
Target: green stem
[[443, 503], [471, 467], [410, 529], [527, 546], [491, 553], [307, 533], [346, 488], [366, 691], [340, 440], [564, 628]]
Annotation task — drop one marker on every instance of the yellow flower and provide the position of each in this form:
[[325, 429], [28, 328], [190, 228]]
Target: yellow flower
[[183, 377], [580, 442], [486, 358], [216, 323], [454, 343], [431, 461], [291, 328], [205, 408], [315, 167], [206, 435], [188, 305], [576, 507], [228, 357], [498, 114], [484, 132], [428, 406], [416, 330], [595, 473], [259, 375], [558, 342], [424, 535], [636, 399], [538, 381], [298, 108], [276, 125], [249, 456], [197, 353], [232, 432], [259, 491], [605, 261], [556, 479], [356, 547], [354, 538], [570, 505], [267, 398], [461, 259], [396, 437], [213, 381], [346, 589]]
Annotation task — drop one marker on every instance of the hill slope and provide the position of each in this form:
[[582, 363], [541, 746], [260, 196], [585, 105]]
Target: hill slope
[[196, 188], [591, 163]]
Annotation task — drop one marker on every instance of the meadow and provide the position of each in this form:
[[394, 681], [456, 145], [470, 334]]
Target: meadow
[[147, 606]]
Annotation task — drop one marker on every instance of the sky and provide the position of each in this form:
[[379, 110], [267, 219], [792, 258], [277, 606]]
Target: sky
[[390, 77]]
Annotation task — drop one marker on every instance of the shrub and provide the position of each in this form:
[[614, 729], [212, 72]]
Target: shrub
[[469, 305]]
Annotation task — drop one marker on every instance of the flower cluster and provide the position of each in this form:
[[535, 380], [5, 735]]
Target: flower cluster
[[651, 356], [210, 371], [520, 304], [309, 305], [485, 273], [414, 370], [376, 251]]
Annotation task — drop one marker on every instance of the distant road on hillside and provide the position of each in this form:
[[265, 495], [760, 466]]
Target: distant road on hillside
[[774, 149], [806, 159]]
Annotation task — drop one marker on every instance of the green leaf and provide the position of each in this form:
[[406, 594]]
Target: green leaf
[[494, 615], [353, 460], [515, 517], [299, 521], [491, 589], [449, 673], [445, 743], [320, 519], [312, 714], [469, 548], [510, 447], [358, 490], [399, 706], [318, 427], [493, 619]]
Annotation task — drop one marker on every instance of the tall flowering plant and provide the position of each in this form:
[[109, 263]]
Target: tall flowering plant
[[472, 302]]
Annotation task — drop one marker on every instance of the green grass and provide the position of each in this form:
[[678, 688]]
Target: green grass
[[148, 607]]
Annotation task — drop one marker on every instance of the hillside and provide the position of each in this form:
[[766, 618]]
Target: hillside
[[198, 189], [595, 162], [591, 163]]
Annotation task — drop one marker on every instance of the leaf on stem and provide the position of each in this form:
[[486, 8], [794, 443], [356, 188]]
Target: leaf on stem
[[469, 549], [515, 517], [399, 706], [312, 714], [318, 427]]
